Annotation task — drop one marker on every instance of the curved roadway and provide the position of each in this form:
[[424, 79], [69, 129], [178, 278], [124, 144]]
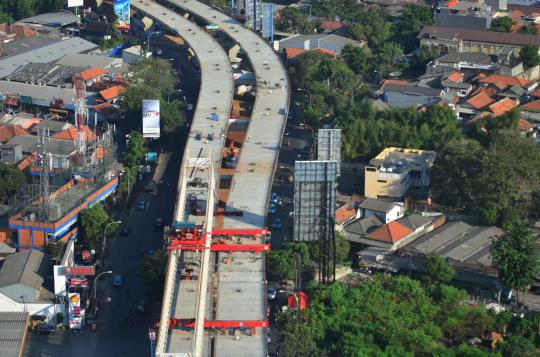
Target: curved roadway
[[253, 175]]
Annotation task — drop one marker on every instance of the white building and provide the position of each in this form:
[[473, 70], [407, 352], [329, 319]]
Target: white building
[[385, 211]]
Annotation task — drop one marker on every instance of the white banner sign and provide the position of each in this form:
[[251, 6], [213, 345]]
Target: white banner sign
[[73, 3], [150, 118]]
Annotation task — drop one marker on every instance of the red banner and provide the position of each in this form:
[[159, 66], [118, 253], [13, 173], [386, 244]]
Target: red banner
[[80, 270]]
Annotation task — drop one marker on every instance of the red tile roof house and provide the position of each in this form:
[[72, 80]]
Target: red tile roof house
[[531, 111], [393, 235]]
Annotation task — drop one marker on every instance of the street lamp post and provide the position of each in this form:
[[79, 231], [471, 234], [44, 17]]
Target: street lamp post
[[105, 240], [128, 180], [94, 291], [148, 40]]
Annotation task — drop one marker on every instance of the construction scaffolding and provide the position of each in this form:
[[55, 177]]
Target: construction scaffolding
[[62, 178]]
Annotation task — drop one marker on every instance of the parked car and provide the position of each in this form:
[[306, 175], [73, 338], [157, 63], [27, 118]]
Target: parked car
[[42, 328], [271, 293], [274, 198], [117, 280], [141, 206], [268, 334], [272, 208], [277, 224], [125, 231]]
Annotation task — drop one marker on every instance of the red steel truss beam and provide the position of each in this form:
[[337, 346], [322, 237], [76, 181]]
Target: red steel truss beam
[[240, 232], [240, 247], [219, 247], [190, 323]]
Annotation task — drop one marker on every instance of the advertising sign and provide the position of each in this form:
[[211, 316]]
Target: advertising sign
[[74, 311], [73, 3], [150, 117], [80, 270], [121, 11]]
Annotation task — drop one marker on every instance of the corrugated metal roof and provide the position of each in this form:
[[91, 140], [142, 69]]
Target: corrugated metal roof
[[48, 53], [12, 332]]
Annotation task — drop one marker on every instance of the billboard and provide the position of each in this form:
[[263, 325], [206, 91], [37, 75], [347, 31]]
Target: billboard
[[73, 3], [329, 146], [150, 118], [314, 199], [121, 11], [75, 320]]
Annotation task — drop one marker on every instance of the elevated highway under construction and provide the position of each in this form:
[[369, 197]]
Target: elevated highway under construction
[[215, 301]]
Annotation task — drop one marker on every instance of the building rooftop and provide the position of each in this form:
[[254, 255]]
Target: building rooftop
[[47, 53], [8, 132], [459, 241], [375, 205], [31, 144], [292, 53], [52, 19], [26, 269], [400, 159], [88, 60], [71, 134], [44, 95], [45, 73], [479, 36], [412, 90], [533, 106], [13, 327], [362, 226], [502, 106], [505, 81], [465, 57], [345, 213], [390, 232], [111, 92]]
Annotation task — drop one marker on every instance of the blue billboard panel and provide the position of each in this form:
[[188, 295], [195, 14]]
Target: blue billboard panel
[[121, 11]]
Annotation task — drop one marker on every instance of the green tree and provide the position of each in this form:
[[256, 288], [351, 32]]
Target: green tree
[[528, 30], [286, 262], [373, 25], [292, 20], [291, 344], [414, 18], [154, 73], [172, 122], [11, 181], [529, 56], [389, 54], [92, 223], [515, 257], [55, 250], [437, 270], [136, 150], [502, 24], [517, 346], [152, 270], [356, 58]]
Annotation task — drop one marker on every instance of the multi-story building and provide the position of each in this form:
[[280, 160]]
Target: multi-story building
[[454, 39], [394, 171]]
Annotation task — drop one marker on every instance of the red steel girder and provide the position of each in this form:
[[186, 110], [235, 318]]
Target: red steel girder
[[240, 247], [190, 323], [240, 232]]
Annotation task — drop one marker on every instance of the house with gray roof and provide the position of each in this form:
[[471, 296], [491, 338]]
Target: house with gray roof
[[386, 211], [334, 43], [407, 95], [26, 284]]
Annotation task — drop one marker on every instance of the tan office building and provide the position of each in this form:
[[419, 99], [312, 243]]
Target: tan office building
[[395, 170]]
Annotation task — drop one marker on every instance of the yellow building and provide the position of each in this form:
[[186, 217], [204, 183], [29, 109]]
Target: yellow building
[[395, 170]]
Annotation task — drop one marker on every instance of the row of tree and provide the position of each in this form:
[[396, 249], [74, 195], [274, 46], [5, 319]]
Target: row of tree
[[500, 181], [153, 79], [398, 316], [291, 258]]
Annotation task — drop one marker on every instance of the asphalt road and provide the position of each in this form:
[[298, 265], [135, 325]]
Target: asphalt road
[[114, 336]]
